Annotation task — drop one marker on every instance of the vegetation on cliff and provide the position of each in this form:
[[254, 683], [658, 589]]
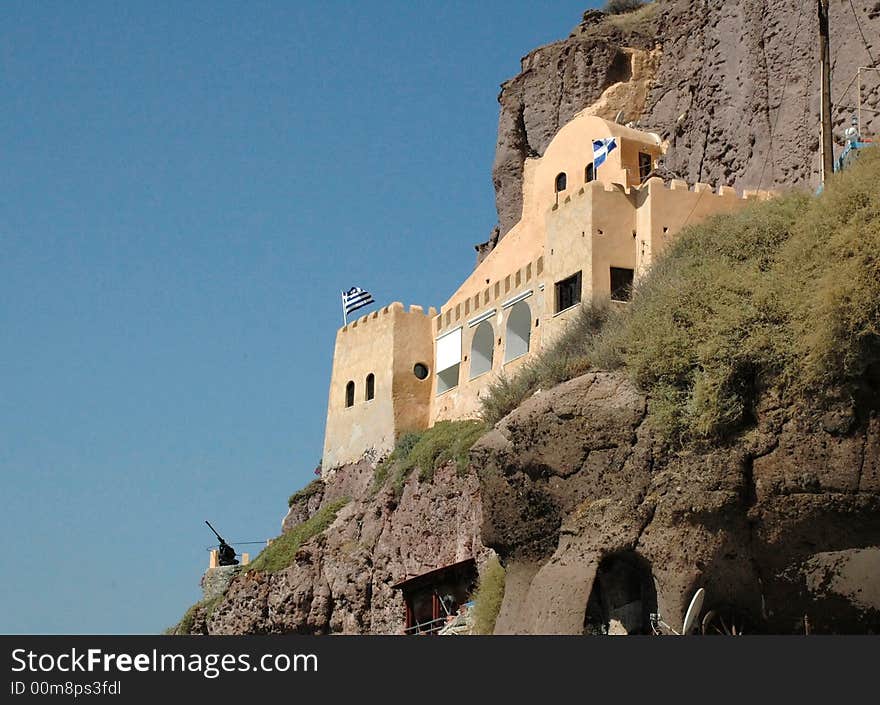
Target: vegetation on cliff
[[488, 596], [310, 490], [186, 623], [280, 554], [783, 296], [445, 441]]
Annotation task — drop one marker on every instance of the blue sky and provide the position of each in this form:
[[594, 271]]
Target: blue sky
[[184, 189]]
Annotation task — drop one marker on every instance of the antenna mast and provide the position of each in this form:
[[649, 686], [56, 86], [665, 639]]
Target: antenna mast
[[827, 144]]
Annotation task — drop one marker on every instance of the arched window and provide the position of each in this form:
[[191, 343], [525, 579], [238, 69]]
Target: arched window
[[482, 349], [589, 173], [519, 328], [349, 394], [561, 181], [371, 386]]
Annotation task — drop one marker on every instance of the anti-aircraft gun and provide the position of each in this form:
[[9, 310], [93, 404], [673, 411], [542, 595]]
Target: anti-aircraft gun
[[225, 552]]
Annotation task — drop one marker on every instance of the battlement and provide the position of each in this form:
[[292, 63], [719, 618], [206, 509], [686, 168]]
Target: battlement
[[383, 312], [656, 185], [495, 290]]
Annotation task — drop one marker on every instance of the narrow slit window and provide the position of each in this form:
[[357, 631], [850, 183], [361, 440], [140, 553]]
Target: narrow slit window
[[561, 181], [589, 173], [349, 394], [370, 387], [645, 166]]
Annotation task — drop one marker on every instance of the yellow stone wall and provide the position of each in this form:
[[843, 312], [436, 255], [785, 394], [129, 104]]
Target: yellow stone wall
[[387, 343], [525, 284], [613, 221]]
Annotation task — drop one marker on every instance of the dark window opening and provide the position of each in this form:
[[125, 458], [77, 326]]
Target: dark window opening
[[589, 173], [349, 394], [621, 284], [568, 292], [371, 386], [420, 371], [561, 181], [645, 166]]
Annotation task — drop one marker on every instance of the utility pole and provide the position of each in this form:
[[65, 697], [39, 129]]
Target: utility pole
[[827, 144]]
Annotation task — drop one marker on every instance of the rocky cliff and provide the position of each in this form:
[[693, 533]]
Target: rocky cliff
[[781, 527], [598, 522], [733, 87], [340, 581]]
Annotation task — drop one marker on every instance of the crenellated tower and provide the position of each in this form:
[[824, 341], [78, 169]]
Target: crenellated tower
[[380, 386]]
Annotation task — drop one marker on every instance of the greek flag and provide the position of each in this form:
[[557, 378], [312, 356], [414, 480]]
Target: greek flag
[[601, 149], [355, 298]]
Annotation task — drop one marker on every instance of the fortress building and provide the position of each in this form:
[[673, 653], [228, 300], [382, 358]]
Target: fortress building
[[586, 232]]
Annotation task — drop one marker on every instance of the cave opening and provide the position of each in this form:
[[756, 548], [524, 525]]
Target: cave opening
[[622, 597]]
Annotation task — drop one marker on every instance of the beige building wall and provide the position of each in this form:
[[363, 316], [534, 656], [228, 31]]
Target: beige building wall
[[664, 209], [493, 306], [386, 343], [589, 232], [570, 151], [615, 220]]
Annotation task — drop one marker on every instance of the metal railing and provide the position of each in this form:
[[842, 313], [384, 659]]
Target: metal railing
[[431, 627]]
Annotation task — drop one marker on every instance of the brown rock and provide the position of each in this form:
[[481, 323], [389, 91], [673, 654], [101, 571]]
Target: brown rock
[[735, 91]]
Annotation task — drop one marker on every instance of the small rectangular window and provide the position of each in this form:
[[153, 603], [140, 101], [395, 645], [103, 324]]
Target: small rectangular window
[[621, 284], [568, 292], [646, 166], [588, 173]]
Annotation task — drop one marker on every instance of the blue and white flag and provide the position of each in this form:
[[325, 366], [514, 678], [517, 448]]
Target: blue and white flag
[[601, 149], [355, 298]]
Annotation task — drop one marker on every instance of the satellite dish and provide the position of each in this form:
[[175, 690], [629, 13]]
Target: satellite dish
[[693, 611]]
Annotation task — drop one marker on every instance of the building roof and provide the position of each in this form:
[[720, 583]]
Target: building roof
[[431, 575]]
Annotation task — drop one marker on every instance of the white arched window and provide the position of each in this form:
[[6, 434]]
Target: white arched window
[[519, 328], [482, 349]]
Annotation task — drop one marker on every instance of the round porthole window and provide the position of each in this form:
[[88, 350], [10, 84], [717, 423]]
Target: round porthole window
[[420, 370]]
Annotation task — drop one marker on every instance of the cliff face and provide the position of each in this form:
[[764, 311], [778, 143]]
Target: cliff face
[[782, 525], [732, 86], [340, 581]]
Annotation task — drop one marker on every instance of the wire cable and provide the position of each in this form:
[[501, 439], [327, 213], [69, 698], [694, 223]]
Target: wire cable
[[861, 31], [784, 85]]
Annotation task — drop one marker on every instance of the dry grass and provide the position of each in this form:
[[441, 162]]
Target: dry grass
[[280, 554], [488, 597], [784, 295], [445, 441]]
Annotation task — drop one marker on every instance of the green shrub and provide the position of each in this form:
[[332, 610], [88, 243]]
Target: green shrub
[[569, 356], [620, 7], [185, 625], [280, 554], [444, 442], [488, 597], [310, 490]]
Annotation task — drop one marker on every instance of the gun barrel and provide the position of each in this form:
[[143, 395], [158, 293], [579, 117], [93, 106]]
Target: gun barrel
[[214, 530]]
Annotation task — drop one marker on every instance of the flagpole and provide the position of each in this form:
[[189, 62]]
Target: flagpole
[[344, 316]]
